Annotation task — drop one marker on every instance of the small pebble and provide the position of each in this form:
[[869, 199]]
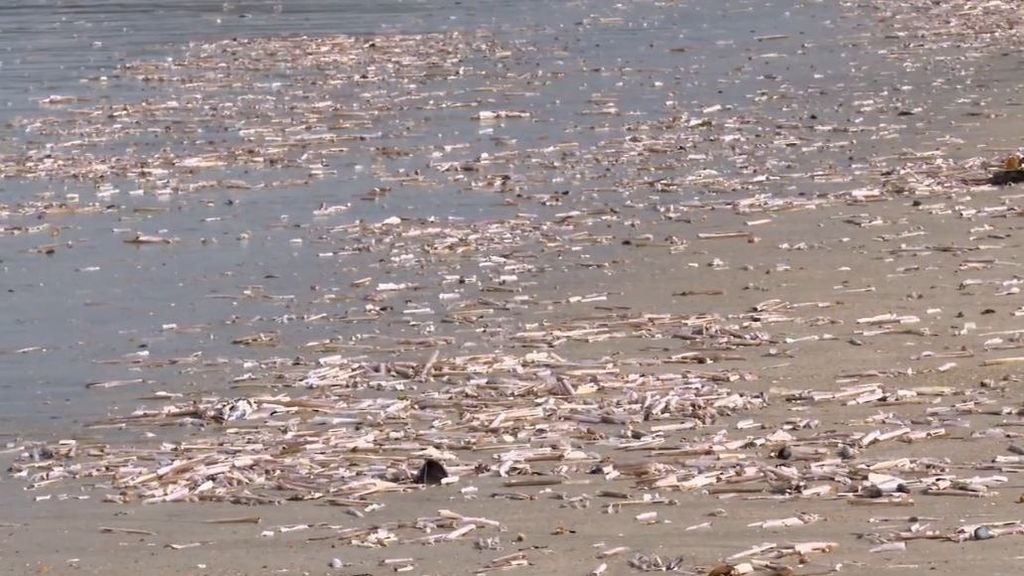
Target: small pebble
[[872, 492], [431, 472], [983, 533]]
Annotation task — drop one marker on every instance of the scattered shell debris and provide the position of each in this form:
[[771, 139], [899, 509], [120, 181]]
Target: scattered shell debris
[[632, 326]]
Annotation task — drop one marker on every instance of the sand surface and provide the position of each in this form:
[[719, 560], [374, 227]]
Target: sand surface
[[894, 223]]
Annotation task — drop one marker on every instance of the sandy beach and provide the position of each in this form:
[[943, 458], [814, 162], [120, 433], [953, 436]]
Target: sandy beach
[[728, 299]]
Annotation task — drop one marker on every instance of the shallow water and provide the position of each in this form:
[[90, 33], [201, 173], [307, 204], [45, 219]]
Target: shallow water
[[102, 299]]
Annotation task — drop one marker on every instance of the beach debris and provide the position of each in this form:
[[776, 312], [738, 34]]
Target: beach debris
[[609, 324], [514, 560], [431, 472], [148, 239], [655, 563], [115, 383], [1012, 171], [185, 546], [982, 533], [230, 410], [801, 520], [123, 530]]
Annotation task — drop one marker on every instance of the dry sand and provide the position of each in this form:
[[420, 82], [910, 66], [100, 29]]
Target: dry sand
[[917, 254]]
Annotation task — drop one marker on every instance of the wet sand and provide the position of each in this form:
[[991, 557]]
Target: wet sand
[[51, 534], [886, 228]]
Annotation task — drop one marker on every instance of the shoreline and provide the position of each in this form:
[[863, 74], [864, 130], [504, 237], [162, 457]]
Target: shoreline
[[761, 309]]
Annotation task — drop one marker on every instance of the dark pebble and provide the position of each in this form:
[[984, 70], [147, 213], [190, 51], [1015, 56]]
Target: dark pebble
[[872, 492], [432, 472]]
